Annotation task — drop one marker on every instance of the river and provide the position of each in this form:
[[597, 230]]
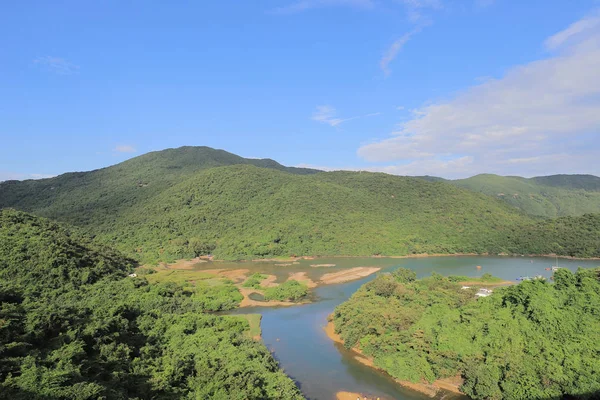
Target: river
[[321, 367]]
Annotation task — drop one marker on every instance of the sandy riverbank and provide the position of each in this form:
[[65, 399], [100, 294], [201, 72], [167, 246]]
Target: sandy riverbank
[[353, 396], [347, 275], [431, 390], [302, 277]]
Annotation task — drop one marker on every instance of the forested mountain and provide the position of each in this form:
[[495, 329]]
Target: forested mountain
[[73, 327], [245, 211], [191, 201], [535, 340], [74, 196], [545, 196]]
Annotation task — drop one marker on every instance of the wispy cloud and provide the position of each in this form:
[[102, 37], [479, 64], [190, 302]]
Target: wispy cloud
[[327, 115], [57, 65], [305, 5], [526, 122], [125, 148], [394, 49], [577, 28]]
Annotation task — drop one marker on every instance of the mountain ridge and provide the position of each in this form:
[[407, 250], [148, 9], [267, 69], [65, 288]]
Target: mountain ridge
[[185, 202]]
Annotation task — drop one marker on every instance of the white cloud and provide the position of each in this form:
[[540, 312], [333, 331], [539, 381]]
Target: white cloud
[[576, 28], [305, 5], [394, 49], [327, 115], [57, 65], [536, 113], [124, 149]]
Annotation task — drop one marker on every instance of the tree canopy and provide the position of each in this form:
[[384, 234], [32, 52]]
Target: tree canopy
[[72, 326], [535, 340]]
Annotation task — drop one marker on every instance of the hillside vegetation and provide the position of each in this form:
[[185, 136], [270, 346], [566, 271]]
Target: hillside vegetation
[[567, 236], [534, 340], [72, 327], [82, 198], [547, 196], [182, 203], [242, 211]]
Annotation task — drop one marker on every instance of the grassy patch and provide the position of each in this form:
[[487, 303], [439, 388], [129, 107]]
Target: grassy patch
[[291, 290], [254, 322], [485, 278], [254, 280], [180, 277]]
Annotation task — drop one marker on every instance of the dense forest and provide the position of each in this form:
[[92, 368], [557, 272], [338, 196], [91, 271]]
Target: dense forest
[[73, 325], [545, 196], [568, 236], [535, 340], [191, 201]]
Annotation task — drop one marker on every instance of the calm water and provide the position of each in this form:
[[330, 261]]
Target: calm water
[[320, 367]]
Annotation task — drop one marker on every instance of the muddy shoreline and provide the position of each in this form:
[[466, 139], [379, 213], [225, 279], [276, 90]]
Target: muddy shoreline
[[432, 390]]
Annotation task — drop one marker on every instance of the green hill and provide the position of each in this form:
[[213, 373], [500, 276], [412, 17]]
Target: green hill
[[585, 182], [547, 196], [73, 327], [567, 236], [79, 196], [154, 212], [181, 203]]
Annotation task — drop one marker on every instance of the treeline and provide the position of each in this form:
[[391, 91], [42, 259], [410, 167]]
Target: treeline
[[565, 236], [72, 326], [535, 340]]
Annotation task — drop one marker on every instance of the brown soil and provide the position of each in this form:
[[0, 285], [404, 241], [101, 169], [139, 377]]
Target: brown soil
[[348, 275], [348, 396], [302, 277], [180, 264], [236, 275], [322, 265], [448, 384], [269, 281]]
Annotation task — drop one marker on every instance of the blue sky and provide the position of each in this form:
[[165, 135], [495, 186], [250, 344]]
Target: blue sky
[[410, 87]]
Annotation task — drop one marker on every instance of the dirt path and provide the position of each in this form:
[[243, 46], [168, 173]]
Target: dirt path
[[431, 390], [347, 275], [302, 277]]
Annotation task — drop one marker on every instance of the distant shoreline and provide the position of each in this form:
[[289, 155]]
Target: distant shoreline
[[421, 255]]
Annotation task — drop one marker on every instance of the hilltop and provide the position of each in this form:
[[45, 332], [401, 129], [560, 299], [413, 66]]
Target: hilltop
[[545, 196], [77, 196]]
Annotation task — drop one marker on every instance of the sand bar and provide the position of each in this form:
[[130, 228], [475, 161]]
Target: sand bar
[[348, 275], [302, 277]]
